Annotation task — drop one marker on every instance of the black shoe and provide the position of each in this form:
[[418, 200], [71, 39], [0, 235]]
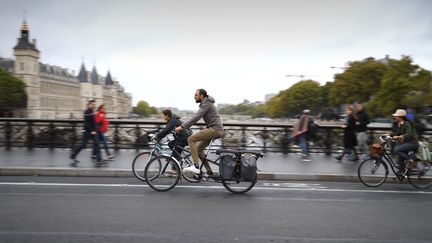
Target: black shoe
[[73, 158], [338, 157]]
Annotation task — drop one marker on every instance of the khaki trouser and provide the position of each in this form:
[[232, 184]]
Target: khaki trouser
[[203, 138]]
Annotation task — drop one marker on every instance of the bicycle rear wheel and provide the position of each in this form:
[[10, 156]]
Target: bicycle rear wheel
[[139, 163], [162, 173], [372, 172], [421, 177], [238, 185]]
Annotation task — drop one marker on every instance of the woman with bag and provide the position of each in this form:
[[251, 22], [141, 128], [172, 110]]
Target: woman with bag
[[349, 138]]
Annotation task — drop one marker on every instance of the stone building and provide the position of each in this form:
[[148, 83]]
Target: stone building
[[55, 92]]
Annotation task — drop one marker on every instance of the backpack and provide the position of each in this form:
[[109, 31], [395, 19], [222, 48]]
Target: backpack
[[227, 166], [313, 129], [423, 152], [248, 169]]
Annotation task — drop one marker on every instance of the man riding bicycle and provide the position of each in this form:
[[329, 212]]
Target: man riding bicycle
[[214, 129]]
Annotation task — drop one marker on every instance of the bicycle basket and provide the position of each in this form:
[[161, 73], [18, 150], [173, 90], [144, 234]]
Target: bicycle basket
[[227, 166], [375, 150], [248, 166]]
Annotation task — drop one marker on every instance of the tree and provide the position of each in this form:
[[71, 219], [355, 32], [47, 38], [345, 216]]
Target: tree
[[12, 93], [143, 109], [359, 82], [302, 95], [403, 83]]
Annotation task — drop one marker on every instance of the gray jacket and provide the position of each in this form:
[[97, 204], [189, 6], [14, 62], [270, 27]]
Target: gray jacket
[[207, 111]]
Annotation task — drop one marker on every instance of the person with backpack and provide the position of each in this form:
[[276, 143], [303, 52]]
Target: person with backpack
[[303, 130], [174, 121]]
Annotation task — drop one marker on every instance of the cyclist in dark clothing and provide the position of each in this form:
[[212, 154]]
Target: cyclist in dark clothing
[[90, 132], [174, 121]]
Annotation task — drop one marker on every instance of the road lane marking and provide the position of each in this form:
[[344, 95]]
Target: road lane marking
[[312, 189]]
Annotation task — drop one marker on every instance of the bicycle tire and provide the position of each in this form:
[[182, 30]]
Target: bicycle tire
[[372, 173], [162, 173], [421, 178], [238, 186], [139, 163]]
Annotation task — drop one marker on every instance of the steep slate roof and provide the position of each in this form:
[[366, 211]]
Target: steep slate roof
[[108, 79], [82, 76], [23, 41], [94, 76]]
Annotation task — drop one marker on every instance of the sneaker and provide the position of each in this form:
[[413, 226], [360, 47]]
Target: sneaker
[[192, 169], [93, 157], [111, 157]]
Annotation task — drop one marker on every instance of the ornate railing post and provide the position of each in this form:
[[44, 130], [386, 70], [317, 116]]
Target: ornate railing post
[[243, 139], [285, 141], [328, 142], [73, 135], [116, 137], [8, 134], [137, 135], [30, 135], [265, 137], [51, 132]]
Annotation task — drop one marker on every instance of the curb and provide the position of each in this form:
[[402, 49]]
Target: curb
[[126, 173]]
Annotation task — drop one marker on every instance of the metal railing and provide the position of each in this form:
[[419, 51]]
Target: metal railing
[[132, 134]]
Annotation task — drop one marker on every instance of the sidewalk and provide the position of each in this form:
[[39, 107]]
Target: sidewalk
[[45, 162]]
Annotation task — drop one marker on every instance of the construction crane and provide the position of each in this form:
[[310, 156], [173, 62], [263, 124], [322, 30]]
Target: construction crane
[[301, 76]]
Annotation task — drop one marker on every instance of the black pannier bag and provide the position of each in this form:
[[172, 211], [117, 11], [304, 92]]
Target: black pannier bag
[[249, 166], [227, 166]]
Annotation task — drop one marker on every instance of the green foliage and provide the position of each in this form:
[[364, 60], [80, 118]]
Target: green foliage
[[244, 108], [302, 95], [143, 109], [12, 92], [403, 83], [358, 82]]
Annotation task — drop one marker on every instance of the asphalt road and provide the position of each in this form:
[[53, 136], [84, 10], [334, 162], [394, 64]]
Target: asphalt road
[[51, 209]]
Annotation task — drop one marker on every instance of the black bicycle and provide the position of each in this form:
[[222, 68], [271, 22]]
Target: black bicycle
[[158, 149], [163, 173], [373, 171]]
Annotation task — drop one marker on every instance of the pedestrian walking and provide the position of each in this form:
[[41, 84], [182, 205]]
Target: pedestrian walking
[[90, 132], [349, 138], [102, 125], [361, 127], [302, 132]]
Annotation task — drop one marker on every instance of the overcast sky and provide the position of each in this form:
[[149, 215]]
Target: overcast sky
[[162, 51]]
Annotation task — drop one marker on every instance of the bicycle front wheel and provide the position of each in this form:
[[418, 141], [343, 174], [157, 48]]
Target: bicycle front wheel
[[139, 163], [372, 172], [162, 173], [421, 177]]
